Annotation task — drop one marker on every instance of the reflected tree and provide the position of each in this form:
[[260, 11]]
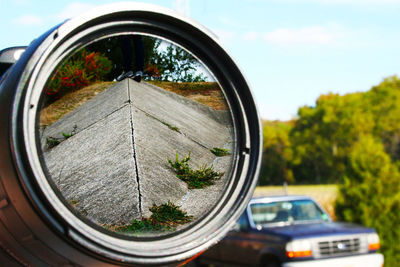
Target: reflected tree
[[177, 65]]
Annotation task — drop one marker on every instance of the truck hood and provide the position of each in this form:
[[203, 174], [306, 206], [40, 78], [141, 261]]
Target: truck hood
[[317, 229]]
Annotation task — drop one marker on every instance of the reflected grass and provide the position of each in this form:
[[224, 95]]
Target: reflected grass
[[220, 152], [165, 217], [200, 178], [206, 93], [70, 101]]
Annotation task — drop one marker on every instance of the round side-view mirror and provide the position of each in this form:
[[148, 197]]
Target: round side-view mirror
[[129, 137]]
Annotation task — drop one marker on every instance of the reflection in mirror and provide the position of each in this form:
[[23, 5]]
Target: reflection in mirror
[[136, 135]]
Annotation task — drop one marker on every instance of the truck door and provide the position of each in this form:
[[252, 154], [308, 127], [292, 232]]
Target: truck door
[[238, 246]]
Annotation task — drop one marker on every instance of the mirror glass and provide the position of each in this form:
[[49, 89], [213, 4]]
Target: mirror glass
[[135, 135]]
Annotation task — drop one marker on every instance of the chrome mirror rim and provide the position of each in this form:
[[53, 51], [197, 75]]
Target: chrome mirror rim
[[187, 242]]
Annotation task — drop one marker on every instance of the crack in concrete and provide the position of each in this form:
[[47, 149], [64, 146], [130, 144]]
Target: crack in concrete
[[184, 198], [134, 151], [59, 174]]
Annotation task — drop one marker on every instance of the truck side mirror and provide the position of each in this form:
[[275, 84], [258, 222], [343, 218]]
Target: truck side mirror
[[127, 172], [241, 227], [9, 56], [237, 227]]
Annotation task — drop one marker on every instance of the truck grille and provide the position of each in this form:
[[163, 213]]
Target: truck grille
[[339, 247]]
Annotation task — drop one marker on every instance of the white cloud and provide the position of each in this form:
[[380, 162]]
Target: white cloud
[[74, 9], [307, 35], [28, 20], [182, 6], [250, 36]]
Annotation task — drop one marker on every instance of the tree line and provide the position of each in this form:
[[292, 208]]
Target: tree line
[[315, 147]]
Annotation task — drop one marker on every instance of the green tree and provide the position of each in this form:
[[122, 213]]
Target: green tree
[[370, 194], [323, 136], [384, 103], [277, 153], [177, 65]]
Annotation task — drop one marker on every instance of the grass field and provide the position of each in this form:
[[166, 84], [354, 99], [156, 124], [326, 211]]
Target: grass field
[[325, 195], [207, 93], [71, 101]]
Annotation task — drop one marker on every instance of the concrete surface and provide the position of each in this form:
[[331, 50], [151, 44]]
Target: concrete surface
[[115, 166]]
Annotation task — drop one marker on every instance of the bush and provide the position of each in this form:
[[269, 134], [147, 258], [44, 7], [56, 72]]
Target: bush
[[370, 195], [199, 178], [165, 217], [80, 70]]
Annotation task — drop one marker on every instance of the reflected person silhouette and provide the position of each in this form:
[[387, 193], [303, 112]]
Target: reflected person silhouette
[[127, 54]]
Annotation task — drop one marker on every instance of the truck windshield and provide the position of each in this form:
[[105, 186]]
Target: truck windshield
[[286, 212]]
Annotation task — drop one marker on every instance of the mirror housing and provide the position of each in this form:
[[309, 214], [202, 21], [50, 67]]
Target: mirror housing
[[240, 228], [9, 56], [37, 226]]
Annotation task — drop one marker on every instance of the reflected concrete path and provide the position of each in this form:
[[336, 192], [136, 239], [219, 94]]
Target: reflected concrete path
[[115, 166]]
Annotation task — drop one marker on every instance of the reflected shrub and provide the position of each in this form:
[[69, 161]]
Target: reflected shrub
[[80, 70]]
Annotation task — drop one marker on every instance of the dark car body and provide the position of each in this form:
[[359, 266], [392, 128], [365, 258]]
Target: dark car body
[[279, 241]]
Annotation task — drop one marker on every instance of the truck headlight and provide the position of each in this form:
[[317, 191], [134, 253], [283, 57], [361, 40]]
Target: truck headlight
[[373, 242], [298, 248]]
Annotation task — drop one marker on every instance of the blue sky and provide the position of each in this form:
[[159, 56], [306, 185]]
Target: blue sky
[[291, 51]]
